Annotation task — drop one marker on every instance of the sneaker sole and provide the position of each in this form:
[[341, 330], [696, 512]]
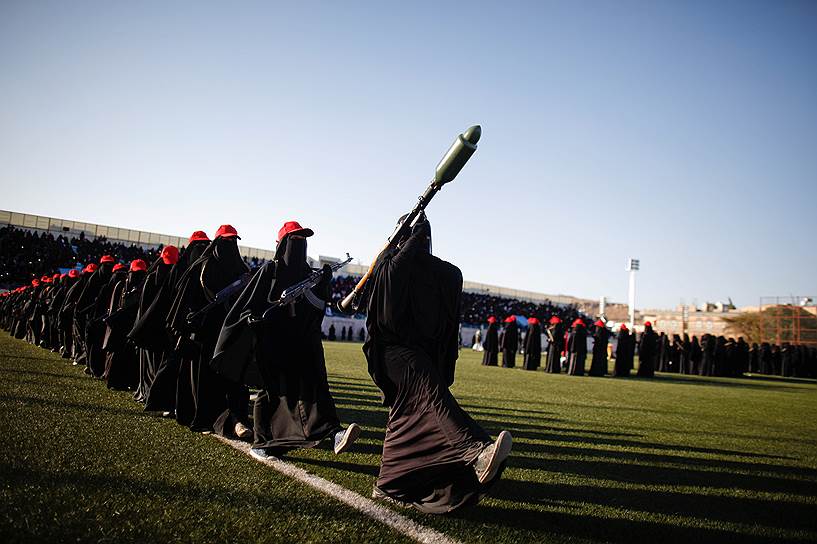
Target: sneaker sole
[[502, 448], [259, 456], [348, 438]]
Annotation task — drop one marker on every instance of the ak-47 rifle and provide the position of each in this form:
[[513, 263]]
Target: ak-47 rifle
[[294, 292], [221, 297], [447, 169]]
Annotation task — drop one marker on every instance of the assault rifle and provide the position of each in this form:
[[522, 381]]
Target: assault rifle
[[221, 297], [294, 292]]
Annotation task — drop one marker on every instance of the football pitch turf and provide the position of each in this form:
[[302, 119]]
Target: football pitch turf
[[671, 459]]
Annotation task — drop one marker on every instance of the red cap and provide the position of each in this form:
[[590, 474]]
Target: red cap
[[73, 273], [647, 324], [63, 275], [227, 231], [46, 279], [510, 319], [624, 327], [119, 266], [198, 236], [533, 321], [91, 268], [599, 323], [491, 319], [578, 323], [35, 282], [555, 319], [106, 259], [293, 227], [170, 254], [56, 276], [138, 265]]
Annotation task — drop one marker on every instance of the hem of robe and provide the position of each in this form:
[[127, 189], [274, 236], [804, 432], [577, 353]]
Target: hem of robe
[[278, 447], [459, 489]]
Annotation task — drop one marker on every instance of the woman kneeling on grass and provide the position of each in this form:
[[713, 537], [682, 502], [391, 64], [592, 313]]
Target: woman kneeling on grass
[[435, 457]]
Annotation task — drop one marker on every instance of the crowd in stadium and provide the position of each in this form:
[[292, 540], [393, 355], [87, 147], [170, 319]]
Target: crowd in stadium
[[25, 255], [476, 307]]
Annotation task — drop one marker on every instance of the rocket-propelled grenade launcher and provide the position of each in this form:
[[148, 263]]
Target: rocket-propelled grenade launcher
[[447, 169]]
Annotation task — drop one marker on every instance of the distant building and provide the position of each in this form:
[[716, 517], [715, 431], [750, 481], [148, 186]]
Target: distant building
[[708, 320]]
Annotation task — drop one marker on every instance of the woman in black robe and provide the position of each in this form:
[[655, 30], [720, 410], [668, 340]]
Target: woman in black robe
[[490, 345], [32, 312], [556, 334], [281, 352], [754, 358], [695, 356], [598, 365], [91, 308], [786, 360], [720, 359], [577, 348], [765, 357], [675, 350], [435, 457], [221, 405], [683, 355], [78, 321], [533, 345], [623, 364], [509, 342], [65, 314], [172, 389], [148, 333], [122, 361], [776, 361], [708, 348], [646, 352]]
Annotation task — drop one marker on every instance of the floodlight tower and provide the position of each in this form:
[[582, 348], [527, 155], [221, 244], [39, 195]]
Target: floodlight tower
[[633, 265]]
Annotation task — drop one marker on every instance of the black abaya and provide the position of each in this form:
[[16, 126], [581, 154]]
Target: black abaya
[[431, 444]]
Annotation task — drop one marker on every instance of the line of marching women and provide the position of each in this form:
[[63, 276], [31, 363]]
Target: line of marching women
[[191, 333], [567, 351]]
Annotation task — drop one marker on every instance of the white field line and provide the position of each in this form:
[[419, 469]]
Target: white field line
[[399, 523]]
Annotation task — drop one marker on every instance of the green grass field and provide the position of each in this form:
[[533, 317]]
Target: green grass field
[[672, 459]]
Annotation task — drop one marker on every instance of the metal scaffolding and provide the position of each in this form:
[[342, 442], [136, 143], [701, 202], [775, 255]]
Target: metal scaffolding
[[791, 319]]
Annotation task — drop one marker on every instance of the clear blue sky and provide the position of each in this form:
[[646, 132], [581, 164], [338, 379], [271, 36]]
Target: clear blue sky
[[682, 133]]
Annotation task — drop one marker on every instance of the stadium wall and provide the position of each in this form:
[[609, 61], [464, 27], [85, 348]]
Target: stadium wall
[[68, 227]]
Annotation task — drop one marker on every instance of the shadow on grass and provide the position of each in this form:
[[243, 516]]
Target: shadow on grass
[[784, 478], [765, 385], [598, 528], [557, 436], [731, 509]]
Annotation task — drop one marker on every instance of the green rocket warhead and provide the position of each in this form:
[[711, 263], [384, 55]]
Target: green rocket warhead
[[457, 155]]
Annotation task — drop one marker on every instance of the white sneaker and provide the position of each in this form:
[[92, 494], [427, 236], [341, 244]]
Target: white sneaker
[[344, 439], [492, 457], [242, 431], [261, 454], [379, 495]]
